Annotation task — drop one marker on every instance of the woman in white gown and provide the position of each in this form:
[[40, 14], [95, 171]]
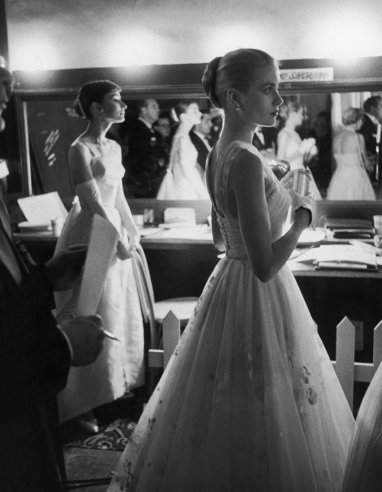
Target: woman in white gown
[[292, 149], [96, 170], [249, 401], [183, 180], [363, 472], [350, 180]]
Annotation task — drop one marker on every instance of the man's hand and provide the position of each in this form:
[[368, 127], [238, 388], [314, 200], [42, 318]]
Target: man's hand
[[63, 269], [86, 338]]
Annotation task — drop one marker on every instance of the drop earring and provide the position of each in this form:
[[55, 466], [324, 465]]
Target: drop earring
[[237, 107]]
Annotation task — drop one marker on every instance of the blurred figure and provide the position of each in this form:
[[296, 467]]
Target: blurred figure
[[217, 124], [182, 180], [199, 135], [350, 180], [145, 161], [372, 116], [35, 353], [292, 149], [321, 164], [96, 170], [163, 129]]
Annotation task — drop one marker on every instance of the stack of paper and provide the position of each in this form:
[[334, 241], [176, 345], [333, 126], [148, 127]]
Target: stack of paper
[[350, 228], [340, 256]]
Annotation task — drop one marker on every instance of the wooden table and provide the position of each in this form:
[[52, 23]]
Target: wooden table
[[181, 261]]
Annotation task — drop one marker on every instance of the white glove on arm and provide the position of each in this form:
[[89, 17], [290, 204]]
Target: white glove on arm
[[89, 191], [127, 219], [306, 201]]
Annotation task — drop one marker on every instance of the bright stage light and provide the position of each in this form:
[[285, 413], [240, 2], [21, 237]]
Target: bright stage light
[[134, 48], [345, 36], [34, 55], [232, 37]]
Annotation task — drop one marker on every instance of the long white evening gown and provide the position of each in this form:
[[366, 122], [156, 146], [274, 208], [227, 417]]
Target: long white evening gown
[[350, 180], [182, 180], [249, 401], [363, 472], [291, 148], [120, 366]]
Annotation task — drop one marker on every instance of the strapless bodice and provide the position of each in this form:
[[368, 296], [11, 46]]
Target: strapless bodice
[[107, 171]]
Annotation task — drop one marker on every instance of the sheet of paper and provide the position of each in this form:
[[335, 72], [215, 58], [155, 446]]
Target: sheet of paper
[[101, 250], [179, 215], [41, 209], [337, 253]]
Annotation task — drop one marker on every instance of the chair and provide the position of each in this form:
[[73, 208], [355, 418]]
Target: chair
[[154, 312]]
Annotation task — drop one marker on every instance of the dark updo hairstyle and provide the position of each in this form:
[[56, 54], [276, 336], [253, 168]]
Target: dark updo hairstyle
[[91, 92], [180, 108], [235, 70]]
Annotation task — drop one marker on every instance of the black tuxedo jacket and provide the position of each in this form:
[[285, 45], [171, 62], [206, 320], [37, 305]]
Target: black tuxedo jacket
[[369, 130], [34, 363], [202, 149], [145, 161]]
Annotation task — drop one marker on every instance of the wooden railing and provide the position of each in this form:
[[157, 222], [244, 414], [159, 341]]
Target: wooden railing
[[348, 371]]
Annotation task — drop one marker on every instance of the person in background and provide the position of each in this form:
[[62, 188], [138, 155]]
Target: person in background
[[321, 164], [146, 159], [96, 171], [199, 135], [217, 123], [250, 376], [292, 149], [163, 128], [350, 180], [182, 180], [35, 353], [372, 117]]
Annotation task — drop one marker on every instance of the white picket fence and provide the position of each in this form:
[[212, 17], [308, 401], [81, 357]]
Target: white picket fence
[[348, 371]]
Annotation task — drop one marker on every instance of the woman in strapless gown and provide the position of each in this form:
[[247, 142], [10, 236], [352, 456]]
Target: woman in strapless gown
[[183, 180], [350, 180], [249, 400], [290, 146], [96, 168]]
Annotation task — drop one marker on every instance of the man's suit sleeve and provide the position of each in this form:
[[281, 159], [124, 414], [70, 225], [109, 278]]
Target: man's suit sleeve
[[35, 356]]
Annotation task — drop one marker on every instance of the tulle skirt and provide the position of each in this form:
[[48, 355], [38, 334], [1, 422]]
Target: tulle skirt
[[363, 471], [248, 402]]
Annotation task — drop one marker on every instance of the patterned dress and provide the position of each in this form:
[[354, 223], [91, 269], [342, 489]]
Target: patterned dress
[[249, 400]]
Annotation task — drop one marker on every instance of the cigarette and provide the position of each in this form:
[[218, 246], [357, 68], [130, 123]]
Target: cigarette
[[108, 334]]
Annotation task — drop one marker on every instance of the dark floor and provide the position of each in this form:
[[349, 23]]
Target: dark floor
[[97, 464]]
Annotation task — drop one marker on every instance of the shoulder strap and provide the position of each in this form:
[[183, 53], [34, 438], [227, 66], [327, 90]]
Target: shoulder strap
[[89, 147]]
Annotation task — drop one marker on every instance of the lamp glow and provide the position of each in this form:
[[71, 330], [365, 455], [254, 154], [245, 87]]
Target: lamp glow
[[233, 37], [34, 56], [346, 37], [135, 48]]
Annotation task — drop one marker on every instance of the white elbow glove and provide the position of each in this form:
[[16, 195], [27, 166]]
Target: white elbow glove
[[123, 249], [306, 201]]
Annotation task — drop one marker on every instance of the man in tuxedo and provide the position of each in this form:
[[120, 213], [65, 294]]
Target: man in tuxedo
[[373, 116], [200, 138], [145, 160], [35, 353]]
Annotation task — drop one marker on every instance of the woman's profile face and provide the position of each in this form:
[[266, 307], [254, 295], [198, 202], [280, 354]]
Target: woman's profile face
[[193, 114], [113, 108], [261, 104]]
